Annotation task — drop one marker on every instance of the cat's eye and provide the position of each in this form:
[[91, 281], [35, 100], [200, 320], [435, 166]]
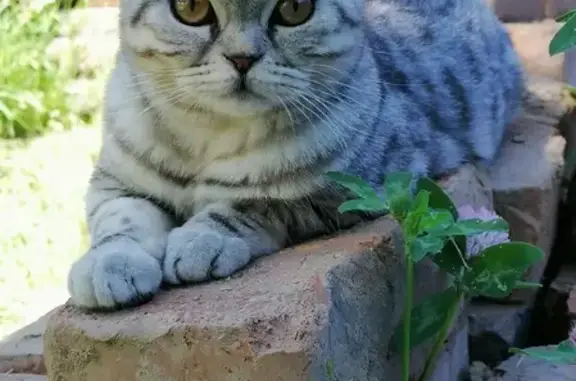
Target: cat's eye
[[292, 12], [194, 12]]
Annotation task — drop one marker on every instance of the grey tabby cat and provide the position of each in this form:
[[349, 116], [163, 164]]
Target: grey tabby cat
[[222, 117]]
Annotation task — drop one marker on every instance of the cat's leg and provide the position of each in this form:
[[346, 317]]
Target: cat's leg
[[223, 238], [123, 265]]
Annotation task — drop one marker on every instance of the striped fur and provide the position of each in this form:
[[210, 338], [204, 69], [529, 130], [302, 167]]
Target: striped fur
[[194, 180]]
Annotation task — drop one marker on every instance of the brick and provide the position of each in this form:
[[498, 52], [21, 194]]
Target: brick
[[328, 304], [22, 351], [288, 316], [526, 175], [531, 41], [518, 10], [22, 377], [555, 8]]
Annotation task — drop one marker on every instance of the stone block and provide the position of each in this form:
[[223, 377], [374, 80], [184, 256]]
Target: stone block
[[531, 41], [22, 351], [454, 360], [324, 310], [527, 173], [494, 328], [506, 320]]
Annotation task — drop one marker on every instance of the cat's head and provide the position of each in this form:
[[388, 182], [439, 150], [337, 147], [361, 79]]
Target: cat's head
[[242, 57]]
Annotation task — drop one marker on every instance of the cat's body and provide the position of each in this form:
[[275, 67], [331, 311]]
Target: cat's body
[[197, 177]]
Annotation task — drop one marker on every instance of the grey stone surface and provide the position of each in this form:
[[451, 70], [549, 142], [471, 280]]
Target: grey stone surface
[[506, 320], [454, 360]]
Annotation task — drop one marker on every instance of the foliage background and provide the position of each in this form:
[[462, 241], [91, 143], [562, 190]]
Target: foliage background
[[54, 64]]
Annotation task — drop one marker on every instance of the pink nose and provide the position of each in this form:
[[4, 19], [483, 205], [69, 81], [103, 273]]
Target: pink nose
[[243, 63]]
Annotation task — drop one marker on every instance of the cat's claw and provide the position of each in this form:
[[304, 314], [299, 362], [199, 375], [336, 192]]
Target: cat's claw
[[196, 254], [114, 275]]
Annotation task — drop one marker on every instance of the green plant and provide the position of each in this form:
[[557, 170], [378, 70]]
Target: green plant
[[431, 228], [565, 38], [33, 95]]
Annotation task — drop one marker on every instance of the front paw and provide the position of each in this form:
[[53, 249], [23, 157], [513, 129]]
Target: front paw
[[196, 254], [114, 275]]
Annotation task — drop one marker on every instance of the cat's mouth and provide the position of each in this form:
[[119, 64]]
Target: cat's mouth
[[242, 90]]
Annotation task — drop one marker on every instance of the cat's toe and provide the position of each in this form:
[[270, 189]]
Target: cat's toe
[[198, 255], [114, 275]]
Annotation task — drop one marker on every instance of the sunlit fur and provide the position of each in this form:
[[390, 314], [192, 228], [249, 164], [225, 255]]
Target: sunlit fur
[[195, 179]]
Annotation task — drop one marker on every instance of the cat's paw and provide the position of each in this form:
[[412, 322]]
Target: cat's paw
[[114, 275], [196, 254]]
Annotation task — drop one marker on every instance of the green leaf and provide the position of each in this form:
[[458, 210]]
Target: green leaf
[[566, 16], [398, 193], [354, 183], [498, 268], [565, 38], [438, 198], [418, 208], [450, 259], [474, 226], [436, 220], [422, 246], [427, 319], [362, 204], [563, 353]]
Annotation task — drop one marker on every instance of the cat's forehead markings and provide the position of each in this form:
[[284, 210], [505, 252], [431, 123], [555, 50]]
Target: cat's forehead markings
[[244, 10], [244, 7]]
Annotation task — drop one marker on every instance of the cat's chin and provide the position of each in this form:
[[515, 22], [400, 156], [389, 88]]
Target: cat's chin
[[239, 104]]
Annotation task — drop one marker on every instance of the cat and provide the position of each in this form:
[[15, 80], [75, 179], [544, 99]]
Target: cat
[[223, 116]]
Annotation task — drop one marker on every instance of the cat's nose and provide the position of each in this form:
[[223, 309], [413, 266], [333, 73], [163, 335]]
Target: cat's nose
[[243, 63]]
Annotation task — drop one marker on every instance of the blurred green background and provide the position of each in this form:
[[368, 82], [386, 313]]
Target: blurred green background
[[54, 61]]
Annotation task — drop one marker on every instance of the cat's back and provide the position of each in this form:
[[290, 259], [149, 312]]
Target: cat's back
[[454, 62]]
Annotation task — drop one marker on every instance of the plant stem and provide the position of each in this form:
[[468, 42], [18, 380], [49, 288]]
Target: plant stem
[[441, 338], [408, 301], [462, 257]]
